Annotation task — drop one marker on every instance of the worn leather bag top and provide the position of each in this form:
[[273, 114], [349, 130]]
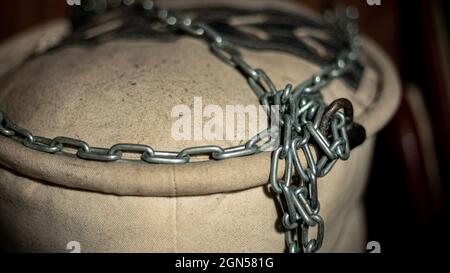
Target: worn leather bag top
[[114, 80]]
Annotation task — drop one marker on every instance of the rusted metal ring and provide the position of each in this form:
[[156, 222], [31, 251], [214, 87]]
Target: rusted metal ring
[[335, 106]]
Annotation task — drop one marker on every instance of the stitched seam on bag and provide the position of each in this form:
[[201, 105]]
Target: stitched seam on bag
[[380, 87], [365, 83]]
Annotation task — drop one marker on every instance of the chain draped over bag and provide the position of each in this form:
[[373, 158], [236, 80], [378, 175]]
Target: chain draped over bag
[[323, 134]]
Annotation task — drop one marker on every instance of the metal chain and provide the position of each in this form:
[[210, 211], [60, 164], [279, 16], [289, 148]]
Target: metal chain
[[307, 126]]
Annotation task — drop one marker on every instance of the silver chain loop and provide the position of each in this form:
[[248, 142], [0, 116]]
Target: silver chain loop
[[307, 126]]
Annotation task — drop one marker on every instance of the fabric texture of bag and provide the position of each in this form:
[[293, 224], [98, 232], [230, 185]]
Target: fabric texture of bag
[[122, 91]]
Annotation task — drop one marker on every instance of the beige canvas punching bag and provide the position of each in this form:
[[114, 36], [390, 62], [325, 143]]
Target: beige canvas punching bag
[[116, 78]]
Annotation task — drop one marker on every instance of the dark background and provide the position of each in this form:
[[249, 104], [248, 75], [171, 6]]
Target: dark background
[[406, 198]]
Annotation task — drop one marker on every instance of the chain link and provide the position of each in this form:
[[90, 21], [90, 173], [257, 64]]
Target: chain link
[[307, 126]]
